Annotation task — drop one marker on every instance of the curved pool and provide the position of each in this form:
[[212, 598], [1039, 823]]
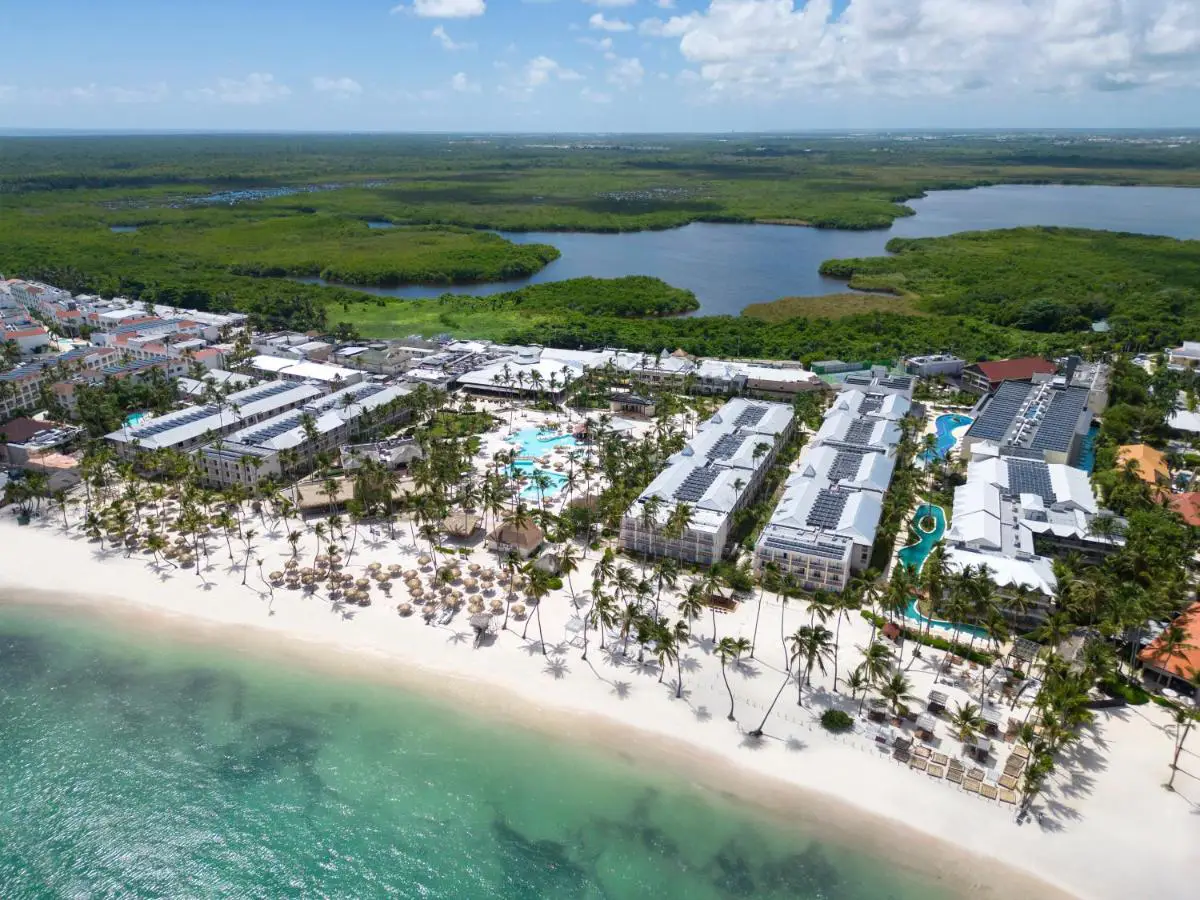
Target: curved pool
[[914, 556], [945, 426]]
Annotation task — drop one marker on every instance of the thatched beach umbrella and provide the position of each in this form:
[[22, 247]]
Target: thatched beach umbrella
[[423, 560], [405, 609], [394, 569], [374, 567], [418, 592], [474, 567], [429, 609], [362, 583], [518, 610], [410, 574], [496, 605], [291, 564]]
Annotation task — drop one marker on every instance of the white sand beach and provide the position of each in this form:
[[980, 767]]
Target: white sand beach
[[1106, 828]]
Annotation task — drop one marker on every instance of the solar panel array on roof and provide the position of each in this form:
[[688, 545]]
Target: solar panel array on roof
[[899, 382], [859, 378], [819, 549], [697, 482], [270, 389], [827, 509], [271, 430], [1027, 476], [997, 417], [750, 416], [846, 464], [169, 423], [859, 432], [871, 403], [1059, 421], [725, 447]]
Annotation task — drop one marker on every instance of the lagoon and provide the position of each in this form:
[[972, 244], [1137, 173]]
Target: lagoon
[[730, 266], [181, 768]]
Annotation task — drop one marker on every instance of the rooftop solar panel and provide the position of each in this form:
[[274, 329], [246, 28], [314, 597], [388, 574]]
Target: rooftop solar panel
[[871, 403], [750, 416], [725, 447], [1059, 420], [697, 482], [1026, 476], [818, 549], [859, 431], [846, 464], [998, 415], [827, 509]]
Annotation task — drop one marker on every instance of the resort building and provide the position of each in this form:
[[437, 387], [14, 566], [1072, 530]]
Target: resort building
[[879, 381], [934, 365], [822, 531], [1092, 377], [397, 453], [525, 373], [1149, 463], [333, 377], [217, 379], [720, 471], [508, 537], [320, 425], [187, 429], [1176, 667], [718, 376], [1045, 420], [1013, 514], [631, 404], [986, 377], [1186, 356], [21, 387]]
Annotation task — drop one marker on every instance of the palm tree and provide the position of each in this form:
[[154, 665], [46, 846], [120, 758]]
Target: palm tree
[[691, 606], [846, 601], [538, 587], [877, 661], [603, 616], [857, 681], [812, 644], [680, 634], [966, 721], [730, 649], [897, 690], [770, 578], [1184, 720]]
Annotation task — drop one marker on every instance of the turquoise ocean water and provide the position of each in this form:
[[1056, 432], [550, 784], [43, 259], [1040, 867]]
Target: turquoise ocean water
[[137, 768]]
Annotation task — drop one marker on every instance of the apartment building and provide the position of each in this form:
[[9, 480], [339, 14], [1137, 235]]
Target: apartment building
[[719, 472]]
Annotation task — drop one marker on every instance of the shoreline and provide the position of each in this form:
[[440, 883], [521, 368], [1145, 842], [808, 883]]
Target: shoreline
[[1093, 845], [814, 814]]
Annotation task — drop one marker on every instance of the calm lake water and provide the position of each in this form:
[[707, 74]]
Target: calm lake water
[[730, 266], [152, 768]]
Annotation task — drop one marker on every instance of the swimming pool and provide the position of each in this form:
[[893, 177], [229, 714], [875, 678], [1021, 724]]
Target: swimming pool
[[536, 442], [945, 426], [1087, 450], [914, 556], [134, 419], [530, 492]]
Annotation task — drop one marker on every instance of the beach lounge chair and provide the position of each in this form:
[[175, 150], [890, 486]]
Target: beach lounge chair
[[901, 755], [935, 771], [1007, 796], [919, 763], [976, 774], [954, 773], [939, 759], [988, 791], [970, 784], [1009, 782], [922, 752]]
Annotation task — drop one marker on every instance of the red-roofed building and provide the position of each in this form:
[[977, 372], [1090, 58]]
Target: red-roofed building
[[1174, 656], [1188, 507], [986, 377]]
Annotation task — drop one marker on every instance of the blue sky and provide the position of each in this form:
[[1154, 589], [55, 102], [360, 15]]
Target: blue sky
[[601, 65]]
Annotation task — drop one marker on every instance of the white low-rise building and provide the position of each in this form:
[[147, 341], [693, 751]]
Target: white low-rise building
[[290, 370], [324, 424], [720, 471]]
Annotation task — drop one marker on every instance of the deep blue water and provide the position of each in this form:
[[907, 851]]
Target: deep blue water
[[731, 266]]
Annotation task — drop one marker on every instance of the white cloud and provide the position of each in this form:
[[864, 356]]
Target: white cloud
[[443, 9], [464, 85], [542, 69], [601, 22], [665, 4], [337, 87], [604, 44], [626, 73], [773, 48], [610, 4], [86, 93], [448, 43], [595, 96], [255, 88]]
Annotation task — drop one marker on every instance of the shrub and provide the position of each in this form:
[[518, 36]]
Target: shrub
[[1132, 694], [555, 583], [836, 721]]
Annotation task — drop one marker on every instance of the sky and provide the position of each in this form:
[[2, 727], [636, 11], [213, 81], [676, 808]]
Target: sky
[[600, 65]]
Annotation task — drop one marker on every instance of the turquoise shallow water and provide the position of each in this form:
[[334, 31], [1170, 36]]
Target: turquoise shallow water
[[155, 769]]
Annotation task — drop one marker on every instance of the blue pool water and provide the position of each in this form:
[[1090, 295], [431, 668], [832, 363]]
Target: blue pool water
[[1087, 450], [945, 426], [537, 441], [134, 419], [914, 556]]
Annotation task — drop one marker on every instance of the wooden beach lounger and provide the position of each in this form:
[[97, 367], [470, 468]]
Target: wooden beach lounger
[[988, 791], [971, 785], [919, 764], [935, 771], [1007, 796]]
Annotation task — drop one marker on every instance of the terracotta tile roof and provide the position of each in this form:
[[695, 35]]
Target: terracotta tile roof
[[1184, 661], [22, 429], [1152, 464], [1014, 369], [1188, 507]]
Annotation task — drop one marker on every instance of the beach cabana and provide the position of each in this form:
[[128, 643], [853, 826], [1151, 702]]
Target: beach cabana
[[979, 747], [991, 719], [937, 701], [926, 724]]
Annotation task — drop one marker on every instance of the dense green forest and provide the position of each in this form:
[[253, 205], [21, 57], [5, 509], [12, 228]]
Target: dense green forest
[[1046, 280], [222, 222]]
